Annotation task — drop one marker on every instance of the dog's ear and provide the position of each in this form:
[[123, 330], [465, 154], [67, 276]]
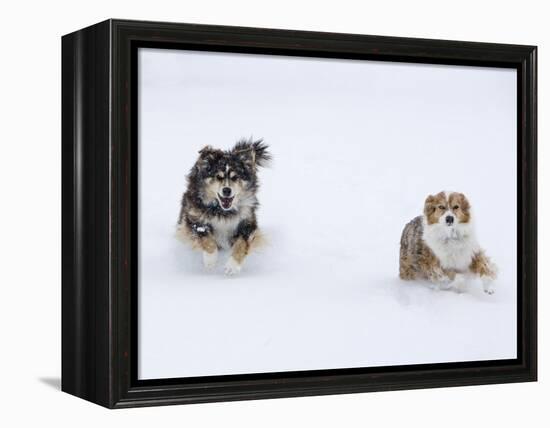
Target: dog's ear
[[261, 155], [464, 203], [429, 205], [461, 200], [207, 158], [208, 153], [206, 150], [253, 153]]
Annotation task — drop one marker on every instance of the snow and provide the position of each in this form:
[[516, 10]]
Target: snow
[[357, 147]]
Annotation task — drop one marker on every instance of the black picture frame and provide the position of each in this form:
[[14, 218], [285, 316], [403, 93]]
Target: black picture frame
[[99, 213]]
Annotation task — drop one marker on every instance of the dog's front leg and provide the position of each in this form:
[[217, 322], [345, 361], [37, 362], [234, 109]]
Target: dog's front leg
[[438, 278], [239, 251], [481, 265], [432, 270], [207, 243], [242, 241], [201, 234], [459, 283], [209, 251]]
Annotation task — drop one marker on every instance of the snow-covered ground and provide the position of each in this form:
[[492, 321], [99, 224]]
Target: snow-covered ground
[[357, 147]]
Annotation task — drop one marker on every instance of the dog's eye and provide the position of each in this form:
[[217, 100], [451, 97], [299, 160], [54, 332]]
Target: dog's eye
[[455, 207], [441, 207], [234, 178], [219, 178]]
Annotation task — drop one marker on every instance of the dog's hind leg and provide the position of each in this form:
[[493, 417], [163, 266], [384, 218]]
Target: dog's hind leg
[[406, 267]]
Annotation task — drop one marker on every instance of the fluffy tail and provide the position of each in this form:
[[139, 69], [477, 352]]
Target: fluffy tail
[[256, 151]]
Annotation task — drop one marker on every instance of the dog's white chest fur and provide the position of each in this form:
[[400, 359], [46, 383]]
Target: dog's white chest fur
[[224, 229], [453, 246]]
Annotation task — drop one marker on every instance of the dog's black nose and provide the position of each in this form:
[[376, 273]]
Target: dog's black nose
[[449, 219], [226, 191]]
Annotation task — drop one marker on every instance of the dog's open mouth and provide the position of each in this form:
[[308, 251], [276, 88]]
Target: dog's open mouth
[[225, 202]]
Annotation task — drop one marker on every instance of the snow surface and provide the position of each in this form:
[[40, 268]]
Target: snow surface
[[357, 147]]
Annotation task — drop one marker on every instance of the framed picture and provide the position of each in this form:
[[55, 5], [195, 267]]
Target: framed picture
[[253, 213]]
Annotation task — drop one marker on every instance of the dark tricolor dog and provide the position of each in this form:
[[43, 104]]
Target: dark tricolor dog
[[218, 209]]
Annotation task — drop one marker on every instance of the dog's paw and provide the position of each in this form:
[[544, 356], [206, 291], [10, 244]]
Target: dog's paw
[[490, 290], [459, 284], [434, 286], [438, 280], [209, 259], [232, 267], [446, 285]]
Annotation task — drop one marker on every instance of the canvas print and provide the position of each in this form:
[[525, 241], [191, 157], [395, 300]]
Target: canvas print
[[304, 214]]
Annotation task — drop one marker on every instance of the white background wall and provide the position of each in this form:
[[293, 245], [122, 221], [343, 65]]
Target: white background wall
[[30, 214]]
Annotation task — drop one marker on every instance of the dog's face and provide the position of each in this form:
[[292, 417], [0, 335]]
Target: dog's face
[[447, 208], [226, 177]]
